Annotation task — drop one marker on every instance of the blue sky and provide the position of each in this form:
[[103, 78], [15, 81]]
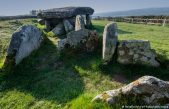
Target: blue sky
[[17, 7]]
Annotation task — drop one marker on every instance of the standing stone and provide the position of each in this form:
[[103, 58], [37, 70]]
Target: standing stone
[[80, 24], [68, 26], [110, 38], [88, 21], [24, 41], [59, 29]]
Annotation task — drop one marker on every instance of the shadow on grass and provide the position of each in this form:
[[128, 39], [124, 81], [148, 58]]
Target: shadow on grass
[[44, 76]]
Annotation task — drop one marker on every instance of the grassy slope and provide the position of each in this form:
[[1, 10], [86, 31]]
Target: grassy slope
[[40, 82]]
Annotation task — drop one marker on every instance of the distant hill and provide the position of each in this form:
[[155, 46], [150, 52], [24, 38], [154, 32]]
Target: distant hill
[[137, 12]]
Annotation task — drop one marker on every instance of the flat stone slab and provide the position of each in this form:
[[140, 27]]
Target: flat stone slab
[[65, 12]]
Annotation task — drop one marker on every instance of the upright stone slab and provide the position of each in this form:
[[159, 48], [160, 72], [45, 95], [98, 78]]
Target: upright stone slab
[[68, 26], [110, 38], [88, 22], [79, 24], [24, 41], [136, 52]]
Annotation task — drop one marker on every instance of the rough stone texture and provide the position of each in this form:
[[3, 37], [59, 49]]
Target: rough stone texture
[[80, 23], [66, 12], [149, 89], [110, 38], [25, 40], [59, 29], [68, 26], [136, 52], [82, 38]]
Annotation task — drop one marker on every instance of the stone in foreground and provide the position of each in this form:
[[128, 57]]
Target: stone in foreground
[[150, 91], [24, 41], [136, 52], [110, 39]]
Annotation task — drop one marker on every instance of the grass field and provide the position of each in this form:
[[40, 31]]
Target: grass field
[[43, 80]]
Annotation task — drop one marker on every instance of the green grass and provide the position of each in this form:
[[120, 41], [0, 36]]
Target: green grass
[[43, 80]]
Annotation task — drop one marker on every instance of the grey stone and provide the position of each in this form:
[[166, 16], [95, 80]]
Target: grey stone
[[80, 23], [83, 38], [68, 26], [136, 52], [110, 38], [150, 90], [24, 41], [76, 37], [66, 12], [59, 29]]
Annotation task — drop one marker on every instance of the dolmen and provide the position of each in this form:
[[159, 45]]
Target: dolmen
[[126, 51], [62, 20]]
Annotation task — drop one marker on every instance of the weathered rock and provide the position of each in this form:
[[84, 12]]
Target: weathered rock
[[83, 38], [59, 29], [75, 38], [41, 21], [150, 90], [66, 12], [25, 40], [110, 38], [80, 23], [136, 52], [68, 26]]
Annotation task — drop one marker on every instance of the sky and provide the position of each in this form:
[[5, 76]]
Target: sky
[[20, 7]]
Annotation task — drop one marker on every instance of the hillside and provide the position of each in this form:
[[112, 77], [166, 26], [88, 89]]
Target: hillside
[[137, 12], [44, 80]]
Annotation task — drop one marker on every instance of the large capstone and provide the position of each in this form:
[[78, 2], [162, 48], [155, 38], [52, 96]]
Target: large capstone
[[136, 52], [66, 12], [148, 90], [110, 38], [80, 23], [59, 29], [24, 41]]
